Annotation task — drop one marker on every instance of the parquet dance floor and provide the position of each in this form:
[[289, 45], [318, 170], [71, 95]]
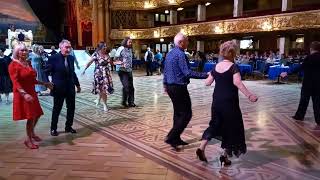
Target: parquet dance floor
[[128, 143]]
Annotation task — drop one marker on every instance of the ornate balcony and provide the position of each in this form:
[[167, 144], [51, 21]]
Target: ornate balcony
[[143, 5], [278, 22]]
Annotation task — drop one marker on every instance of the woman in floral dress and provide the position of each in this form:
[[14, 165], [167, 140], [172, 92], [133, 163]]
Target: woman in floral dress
[[102, 83]]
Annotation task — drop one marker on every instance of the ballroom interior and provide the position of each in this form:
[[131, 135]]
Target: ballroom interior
[[128, 143]]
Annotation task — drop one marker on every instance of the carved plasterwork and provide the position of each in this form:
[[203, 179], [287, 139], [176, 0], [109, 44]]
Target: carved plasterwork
[[85, 11], [143, 4], [279, 22]]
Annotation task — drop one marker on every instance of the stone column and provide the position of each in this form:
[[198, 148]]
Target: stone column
[[286, 5], [237, 8], [107, 21], [101, 21], [284, 45], [200, 46], [284, 42], [201, 13], [94, 22], [173, 17], [79, 23]]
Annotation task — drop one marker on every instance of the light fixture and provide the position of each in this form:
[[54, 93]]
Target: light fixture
[[183, 31], [172, 2], [132, 36], [218, 30], [208, 3], [180, 9], [166, 11], [161, 40], [300, 40], [149, 4], [267, 26], [156, 34]]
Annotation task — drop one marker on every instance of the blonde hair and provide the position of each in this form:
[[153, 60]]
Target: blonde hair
[[17, 48], [228, 50]]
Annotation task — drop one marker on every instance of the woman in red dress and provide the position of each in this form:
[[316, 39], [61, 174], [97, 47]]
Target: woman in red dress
[[25, 101]]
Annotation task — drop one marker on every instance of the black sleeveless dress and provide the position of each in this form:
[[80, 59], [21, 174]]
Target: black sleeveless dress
[[226, 119]]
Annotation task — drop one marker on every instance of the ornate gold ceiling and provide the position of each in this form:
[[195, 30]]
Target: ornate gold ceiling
[[280, 22], [143, 4]]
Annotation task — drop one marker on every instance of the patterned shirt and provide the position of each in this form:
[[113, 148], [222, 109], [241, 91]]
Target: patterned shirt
[[126, 59], [177, 69]]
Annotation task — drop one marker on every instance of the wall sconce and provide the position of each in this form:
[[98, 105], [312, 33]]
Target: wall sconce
[[166, 11], [156, 34], [161, 40], [218, 30], [180, 9]]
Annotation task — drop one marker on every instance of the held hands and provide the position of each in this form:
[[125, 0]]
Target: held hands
[[284, 74], [28, 97], [253, 98], [117, 62], [49, 85]]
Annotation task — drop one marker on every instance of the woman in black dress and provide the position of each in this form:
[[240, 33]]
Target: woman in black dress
[[226, 123], [5, 81]]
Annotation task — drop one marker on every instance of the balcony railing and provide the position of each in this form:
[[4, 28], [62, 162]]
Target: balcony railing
[[276, 22]]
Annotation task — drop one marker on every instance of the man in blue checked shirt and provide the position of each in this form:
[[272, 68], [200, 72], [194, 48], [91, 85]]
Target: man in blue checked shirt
[[177, 74]]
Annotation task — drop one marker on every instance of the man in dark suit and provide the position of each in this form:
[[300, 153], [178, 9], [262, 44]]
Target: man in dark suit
[[310, 85], [61, 67]]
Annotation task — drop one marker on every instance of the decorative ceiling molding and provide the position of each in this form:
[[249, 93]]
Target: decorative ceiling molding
[[143, 4], [279, 22]]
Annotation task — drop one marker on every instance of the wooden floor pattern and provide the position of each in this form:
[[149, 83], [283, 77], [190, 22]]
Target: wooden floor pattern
[[128, 143]]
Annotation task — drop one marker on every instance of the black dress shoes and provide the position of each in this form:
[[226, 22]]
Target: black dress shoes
[[174, 145], [54, 133], [297, 118], [70, 130]]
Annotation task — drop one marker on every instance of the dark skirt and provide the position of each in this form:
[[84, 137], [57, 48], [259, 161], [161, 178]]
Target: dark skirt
[[5, 84], [226, 125]]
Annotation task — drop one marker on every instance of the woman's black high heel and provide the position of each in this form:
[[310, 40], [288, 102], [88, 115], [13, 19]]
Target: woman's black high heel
[[225, 160], [201, 155]]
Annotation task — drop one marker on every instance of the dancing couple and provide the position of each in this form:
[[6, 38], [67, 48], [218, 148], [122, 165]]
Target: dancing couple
[[226, 122]]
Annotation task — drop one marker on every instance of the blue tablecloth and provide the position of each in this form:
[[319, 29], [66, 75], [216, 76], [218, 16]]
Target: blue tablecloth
[[209, 66], [245, 68], [137, 62], [294, 67], [275, 71]]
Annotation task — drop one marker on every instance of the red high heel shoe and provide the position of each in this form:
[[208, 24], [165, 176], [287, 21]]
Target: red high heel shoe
[[30, 145]]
